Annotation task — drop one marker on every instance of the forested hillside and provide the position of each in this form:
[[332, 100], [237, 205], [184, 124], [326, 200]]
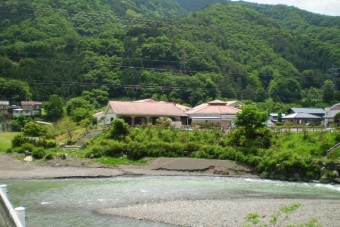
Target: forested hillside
[[137, 49]]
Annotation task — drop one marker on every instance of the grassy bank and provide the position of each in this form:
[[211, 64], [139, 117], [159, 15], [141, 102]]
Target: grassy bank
[[6, 140], [295, 156], [285, 156]]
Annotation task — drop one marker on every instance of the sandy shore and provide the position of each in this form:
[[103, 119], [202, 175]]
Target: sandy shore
[[231, 212]]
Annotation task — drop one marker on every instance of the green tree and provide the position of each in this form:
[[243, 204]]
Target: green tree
[[251, 119], [250, 131], [96, 97], [120, 129], [78, 109], [67, 126], [328, 89], [285, 90], [18, 123], [34, 129], [14, 90], [54, 108]]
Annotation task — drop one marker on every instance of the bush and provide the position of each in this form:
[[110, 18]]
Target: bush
[[115, 149], [19, 150], [27, 147], [136, 150], [228, 153], [49, 143], [38, 153], [120, 129], [18, 140], [96, 152], [49, 156]]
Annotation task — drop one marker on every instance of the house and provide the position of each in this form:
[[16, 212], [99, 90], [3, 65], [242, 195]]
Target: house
[[302, 118], [28, 108], [4, 115], [314, 111], [274, 117], [100, 116], [217, 111], [330, 114], [4, 105], [143, 112]]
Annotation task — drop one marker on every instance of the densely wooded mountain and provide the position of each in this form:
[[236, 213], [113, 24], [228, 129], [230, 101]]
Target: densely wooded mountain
[[182, 50]]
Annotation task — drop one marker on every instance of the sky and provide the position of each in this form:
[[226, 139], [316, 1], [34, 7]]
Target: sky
[[326, 7]]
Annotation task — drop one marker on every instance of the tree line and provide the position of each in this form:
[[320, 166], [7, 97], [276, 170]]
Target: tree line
[[140, 49]]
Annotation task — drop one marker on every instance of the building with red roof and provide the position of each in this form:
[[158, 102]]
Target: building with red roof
[[143, 112], [217, 112]]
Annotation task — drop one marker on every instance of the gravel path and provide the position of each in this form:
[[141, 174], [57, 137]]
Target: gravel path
[[231, 212]]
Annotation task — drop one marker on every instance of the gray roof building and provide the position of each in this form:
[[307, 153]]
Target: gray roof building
[[315, 111]]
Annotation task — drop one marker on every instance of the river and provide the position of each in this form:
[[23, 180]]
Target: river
[[72, 202]]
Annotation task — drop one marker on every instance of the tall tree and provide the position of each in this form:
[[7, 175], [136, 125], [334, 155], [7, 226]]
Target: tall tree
[[54, 108], [328, 89]]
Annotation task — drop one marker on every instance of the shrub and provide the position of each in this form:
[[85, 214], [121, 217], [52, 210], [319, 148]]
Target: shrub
[[96, 152], [229, 153], [136, 150], [115, 149], [120, 129], [49, 143], [49, 156], [27, 147], [19, 150], [38, 153], [18, 140]]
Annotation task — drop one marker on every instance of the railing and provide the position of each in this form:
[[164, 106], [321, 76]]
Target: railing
[[330, 150], [10, 217]]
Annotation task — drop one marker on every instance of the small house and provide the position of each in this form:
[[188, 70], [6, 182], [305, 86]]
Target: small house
[[330, 114], [314, 111], [302, 118], [216, 112], [28, 108]]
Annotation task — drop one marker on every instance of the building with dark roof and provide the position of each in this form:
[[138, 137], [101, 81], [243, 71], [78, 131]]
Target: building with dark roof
[[315, 111], [302, 118]]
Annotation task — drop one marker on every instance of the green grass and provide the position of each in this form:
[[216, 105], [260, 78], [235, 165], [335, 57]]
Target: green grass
[[122, 161], [6, 140], [311, 143]]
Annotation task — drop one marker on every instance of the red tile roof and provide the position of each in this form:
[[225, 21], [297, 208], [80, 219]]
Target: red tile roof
[[146, 107], [214, 107]]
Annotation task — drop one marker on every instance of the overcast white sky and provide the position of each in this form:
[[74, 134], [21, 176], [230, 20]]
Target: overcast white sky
[[327, 7]]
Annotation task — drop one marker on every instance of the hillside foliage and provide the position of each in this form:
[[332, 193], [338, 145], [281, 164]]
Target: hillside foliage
[[184, 51]]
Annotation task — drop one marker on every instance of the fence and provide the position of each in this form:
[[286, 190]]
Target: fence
[[10, 217]]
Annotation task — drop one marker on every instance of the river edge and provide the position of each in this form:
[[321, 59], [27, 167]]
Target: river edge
[[11, 168], [226, 212]]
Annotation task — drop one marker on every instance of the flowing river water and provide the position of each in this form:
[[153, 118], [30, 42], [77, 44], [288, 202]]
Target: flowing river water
[[73, 202]]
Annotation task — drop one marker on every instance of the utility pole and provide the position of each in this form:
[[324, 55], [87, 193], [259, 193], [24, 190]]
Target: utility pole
[[182, 63]]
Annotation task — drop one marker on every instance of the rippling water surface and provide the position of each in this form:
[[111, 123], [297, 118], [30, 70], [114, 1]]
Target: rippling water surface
[[72, 202]]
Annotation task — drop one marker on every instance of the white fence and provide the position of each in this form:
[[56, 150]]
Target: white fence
[[10, 217]]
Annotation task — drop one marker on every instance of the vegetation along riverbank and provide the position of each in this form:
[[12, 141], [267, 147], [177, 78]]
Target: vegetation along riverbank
[[121, 83], [294, 156]]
